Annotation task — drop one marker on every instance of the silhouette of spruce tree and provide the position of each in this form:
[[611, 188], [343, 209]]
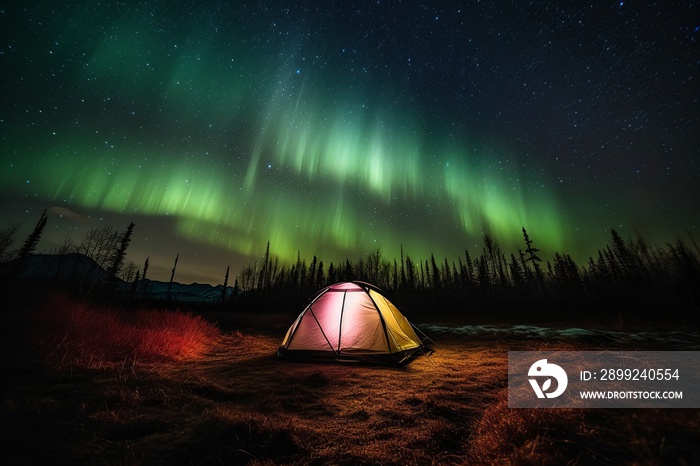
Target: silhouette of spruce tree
[[491, 251], [446, 274], [469, 269], [143, 277], [331, 274], [33, 239], [172, 277], [410, 274], [262, 278], [320, 276], [532, 257], [120, 253], [483, 273], [29, 245], [516, 271], [223, 292], [312, 273], [627, 263]]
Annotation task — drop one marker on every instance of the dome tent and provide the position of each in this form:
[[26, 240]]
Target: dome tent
[[352, 321]]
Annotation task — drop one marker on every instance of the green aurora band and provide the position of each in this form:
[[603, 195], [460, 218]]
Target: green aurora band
[[338, 192], [238, 148]]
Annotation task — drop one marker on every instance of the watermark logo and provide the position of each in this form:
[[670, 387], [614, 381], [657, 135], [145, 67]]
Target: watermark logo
[[542, 369], [603, 379]]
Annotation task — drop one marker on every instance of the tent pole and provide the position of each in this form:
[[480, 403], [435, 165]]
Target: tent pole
[[427, 356], [340, 325], [422, 334], [381, 319], [322, 332]]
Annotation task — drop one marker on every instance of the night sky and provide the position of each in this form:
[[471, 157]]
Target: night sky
[[339, 128]]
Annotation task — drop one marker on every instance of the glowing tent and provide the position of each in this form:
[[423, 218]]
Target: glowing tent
[[352, 321]]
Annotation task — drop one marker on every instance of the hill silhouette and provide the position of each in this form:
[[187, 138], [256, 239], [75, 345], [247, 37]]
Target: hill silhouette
[[77, 272]]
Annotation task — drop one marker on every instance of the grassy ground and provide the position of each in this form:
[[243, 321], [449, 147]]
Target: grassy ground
[[214, 398]]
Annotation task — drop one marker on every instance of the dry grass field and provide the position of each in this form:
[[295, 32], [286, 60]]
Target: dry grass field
[[89, 386]]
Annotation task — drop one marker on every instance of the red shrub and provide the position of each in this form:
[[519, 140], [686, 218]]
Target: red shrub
[[92, 336]]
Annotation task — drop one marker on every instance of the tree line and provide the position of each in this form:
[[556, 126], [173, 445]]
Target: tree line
[[623, 273]]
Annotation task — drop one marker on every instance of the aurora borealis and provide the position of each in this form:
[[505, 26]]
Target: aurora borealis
[[339, 128]]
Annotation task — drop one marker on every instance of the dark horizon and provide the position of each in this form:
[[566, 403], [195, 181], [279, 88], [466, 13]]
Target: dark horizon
[[638, 280]]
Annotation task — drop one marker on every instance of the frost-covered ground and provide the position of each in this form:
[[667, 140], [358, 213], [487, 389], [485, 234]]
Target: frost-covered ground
[[660, 339]]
